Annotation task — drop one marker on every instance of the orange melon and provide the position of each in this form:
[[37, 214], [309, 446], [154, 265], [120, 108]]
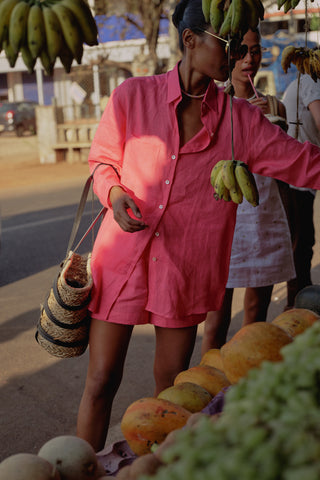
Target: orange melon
[[210, 378], [250, 346], [212, 358], [296, 320], [149, 420]]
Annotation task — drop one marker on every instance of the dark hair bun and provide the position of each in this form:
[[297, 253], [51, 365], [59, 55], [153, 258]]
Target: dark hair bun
[[179, 12]]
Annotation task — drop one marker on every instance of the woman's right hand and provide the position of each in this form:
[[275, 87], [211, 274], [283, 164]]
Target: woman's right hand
[[121, 202]]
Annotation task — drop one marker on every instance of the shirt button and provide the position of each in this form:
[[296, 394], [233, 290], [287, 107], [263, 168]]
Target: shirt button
[[211, 134], [154, 259], [157, 234], [173, 157], [161, 207], [167, 182]]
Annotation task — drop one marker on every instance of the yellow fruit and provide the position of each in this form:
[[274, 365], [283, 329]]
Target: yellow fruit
[[188, 395], [210, 378]]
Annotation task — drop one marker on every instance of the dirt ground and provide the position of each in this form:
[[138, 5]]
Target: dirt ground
[[20, 165]]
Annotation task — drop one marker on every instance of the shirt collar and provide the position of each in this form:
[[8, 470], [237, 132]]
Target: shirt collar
[[174, 90]]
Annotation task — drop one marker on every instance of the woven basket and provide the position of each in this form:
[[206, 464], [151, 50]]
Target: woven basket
[[63, 327]]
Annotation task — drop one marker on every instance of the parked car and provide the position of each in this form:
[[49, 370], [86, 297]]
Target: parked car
[[18, 117]]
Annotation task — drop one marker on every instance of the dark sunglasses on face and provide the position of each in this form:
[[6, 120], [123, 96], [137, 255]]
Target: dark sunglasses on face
[[237, 50]]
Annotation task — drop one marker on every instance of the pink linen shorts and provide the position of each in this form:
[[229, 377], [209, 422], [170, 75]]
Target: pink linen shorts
[[129, 307]]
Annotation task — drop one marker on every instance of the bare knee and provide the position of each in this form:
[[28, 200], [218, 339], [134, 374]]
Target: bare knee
[[102, 384]]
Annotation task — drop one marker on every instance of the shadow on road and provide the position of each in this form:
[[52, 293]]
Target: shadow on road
[[38, 240]]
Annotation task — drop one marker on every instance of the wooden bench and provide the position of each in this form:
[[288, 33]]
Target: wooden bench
[[74, 141]]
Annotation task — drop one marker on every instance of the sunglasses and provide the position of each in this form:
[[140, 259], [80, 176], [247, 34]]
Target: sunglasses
[[234, 46]]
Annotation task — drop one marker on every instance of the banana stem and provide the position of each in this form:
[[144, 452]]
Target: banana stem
[[231, 113], [231, 103]]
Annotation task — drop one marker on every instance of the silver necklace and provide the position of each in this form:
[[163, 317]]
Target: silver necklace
[[192, 96]]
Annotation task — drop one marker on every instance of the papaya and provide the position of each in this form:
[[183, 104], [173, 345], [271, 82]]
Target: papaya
[[309, 298], [296, 320], [250, 346], [148, 421], [210, 378], [212, 358], [188, 395]]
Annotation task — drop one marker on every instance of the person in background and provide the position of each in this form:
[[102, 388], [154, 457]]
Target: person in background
[[303, 125], [261, 255], [162, 252]]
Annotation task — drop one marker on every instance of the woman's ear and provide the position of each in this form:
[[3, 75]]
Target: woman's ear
[[189, 38]]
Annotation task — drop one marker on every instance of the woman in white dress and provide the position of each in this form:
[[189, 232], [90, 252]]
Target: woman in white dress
[[261, 250]]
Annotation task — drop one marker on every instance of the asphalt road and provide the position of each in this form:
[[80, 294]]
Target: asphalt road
[[40, 394]]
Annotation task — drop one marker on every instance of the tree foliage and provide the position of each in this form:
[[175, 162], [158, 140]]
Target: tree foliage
[[145, 15]]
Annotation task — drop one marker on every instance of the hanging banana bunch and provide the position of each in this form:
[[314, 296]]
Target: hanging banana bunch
[[46, 29], [233, 17], [305, 59], [232, 180], [288, 4]]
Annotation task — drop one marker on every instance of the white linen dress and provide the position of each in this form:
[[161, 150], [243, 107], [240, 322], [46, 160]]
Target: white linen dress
[[261, 252]]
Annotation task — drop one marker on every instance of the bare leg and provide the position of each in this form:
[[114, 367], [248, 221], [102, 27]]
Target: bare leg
[[217, 324], [256, 303], [108, 348], [174, 347]]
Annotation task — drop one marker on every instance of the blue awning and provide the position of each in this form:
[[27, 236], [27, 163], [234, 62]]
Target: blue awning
[[116, 28]]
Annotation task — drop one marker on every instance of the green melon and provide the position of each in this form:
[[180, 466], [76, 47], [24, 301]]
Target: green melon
[[309, 298]]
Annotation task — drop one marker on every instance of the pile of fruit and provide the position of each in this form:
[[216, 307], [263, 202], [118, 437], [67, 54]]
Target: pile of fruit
[[48, 29], [269, 426], [249, 410]]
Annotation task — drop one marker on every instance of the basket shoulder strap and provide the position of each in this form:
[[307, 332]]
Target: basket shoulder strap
[[81, 206], [79, 213]]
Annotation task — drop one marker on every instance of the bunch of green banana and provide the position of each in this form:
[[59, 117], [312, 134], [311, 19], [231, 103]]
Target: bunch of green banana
[[232, 180], [233, 17], [46, 29], [305, 59], [288, 4]]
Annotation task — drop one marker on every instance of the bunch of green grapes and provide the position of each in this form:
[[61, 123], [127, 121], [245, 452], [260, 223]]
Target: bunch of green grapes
[[269, 429]]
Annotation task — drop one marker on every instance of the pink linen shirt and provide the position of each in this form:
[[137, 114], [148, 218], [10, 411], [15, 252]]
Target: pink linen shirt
[[189, 238]]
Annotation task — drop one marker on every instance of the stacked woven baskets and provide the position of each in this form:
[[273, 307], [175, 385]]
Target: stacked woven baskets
[[63, 327]]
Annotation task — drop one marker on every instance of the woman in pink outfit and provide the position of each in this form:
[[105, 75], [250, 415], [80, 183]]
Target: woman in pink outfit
[[162, 252]]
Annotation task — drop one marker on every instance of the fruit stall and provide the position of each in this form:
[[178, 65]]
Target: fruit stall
[[249, 410]]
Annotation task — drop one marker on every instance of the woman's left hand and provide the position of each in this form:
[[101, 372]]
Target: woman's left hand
[[262, 103]]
